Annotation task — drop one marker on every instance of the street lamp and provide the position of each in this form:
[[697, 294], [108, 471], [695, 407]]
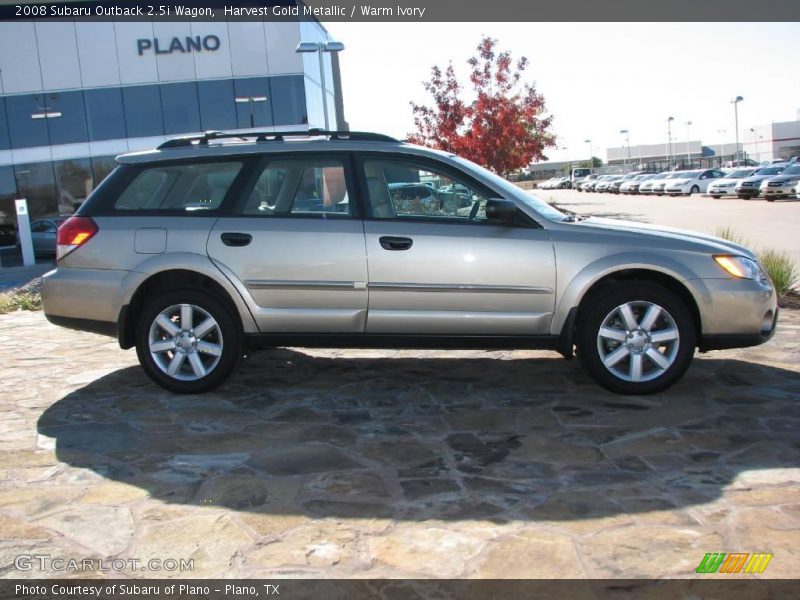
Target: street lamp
[[735, 103], [251, 100], [669, 139], [591, 161], [628, 142], [319, 48], [688, 154]]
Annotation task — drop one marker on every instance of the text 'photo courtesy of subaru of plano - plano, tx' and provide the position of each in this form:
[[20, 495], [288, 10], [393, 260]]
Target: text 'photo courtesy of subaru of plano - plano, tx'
[[209, 246]]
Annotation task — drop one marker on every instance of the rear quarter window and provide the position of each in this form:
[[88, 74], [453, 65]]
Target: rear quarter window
[[190, 187]]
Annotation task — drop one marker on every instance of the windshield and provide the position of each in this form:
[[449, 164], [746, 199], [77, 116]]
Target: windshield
[[769, 171], [540, 206], [739, 173], [686, 175], [793, 170]]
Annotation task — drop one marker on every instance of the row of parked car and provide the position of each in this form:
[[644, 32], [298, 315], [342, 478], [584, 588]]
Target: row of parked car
[[777, 180]]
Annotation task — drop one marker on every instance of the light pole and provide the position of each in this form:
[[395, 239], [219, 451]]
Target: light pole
[[591, 160], [669, 140], [688, 154], [735, 103], [319, 48], [251, 100], [628, 142]]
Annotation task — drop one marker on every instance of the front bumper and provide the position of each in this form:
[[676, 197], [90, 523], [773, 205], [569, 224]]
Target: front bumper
[[735, 313], [779, 190], [726, 191], [749, 190]]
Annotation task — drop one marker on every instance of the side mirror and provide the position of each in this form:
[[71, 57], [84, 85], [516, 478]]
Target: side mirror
[[500, 210]]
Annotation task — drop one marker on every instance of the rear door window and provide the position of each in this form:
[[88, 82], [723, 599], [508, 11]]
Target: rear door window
[[309, 186], [189, 187]]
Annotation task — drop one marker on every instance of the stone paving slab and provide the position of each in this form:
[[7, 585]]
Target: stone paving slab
[[365, 463]]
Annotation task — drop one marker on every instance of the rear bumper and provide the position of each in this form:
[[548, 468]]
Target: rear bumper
[[83, 294], [90, 325]]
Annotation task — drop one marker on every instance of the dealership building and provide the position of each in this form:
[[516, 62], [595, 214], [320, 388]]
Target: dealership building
[[73, 95]]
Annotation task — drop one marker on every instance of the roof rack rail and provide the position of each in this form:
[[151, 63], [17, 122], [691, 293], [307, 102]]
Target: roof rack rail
[[276, 136]]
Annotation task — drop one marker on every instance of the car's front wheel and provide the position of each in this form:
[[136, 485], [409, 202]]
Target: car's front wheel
[[694, 190], [187, 341], [636, 338]]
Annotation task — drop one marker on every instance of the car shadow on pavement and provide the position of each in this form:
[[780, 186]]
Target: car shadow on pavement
[[507, 437]]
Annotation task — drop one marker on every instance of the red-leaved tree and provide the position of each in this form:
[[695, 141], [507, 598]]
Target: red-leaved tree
[[504, 128]]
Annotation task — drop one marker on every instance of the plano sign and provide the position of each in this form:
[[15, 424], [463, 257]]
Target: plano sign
[[182, 45]]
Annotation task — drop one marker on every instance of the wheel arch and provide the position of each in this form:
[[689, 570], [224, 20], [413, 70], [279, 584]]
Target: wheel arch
[[173, 278], [584, 286]]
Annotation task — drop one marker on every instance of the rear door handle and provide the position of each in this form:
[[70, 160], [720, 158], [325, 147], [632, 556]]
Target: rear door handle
[[236, 239], [395, 243]]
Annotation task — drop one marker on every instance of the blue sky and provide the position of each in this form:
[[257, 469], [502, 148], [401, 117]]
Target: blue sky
[[597, 78]]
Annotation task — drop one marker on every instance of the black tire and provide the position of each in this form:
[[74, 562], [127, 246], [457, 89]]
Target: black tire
[[602, 304], [229, 330], [694, 190], [770, 199], [716, 197]]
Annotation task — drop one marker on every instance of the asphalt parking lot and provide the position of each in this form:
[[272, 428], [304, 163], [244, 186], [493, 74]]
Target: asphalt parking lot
[[395, 464], [763, 223]]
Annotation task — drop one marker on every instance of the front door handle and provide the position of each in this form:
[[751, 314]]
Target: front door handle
[[236, 239], [395, 243]]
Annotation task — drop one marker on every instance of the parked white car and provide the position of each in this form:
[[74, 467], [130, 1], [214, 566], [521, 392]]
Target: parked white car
[[686, 183], [656, 185], [632, 185], [727, 184], [603, 186]]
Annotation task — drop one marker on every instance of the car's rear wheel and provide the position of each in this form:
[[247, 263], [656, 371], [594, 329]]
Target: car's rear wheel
[[768, 199], [716, 197], [636, 338], [187, 341]]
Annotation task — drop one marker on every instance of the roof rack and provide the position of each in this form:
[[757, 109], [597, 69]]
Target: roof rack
[[275, 136]]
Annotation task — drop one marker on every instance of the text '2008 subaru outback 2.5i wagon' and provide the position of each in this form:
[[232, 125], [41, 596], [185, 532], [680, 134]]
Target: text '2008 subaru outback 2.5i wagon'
[[212, 245]]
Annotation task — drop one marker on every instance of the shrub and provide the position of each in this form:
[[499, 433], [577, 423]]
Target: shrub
[[730, 234], [20, 300], [781, 269], [779, 265]]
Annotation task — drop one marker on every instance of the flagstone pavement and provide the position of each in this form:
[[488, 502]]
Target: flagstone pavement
[[365, 463]]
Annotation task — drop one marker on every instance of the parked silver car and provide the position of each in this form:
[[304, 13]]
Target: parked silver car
[[781, 186], [203, 249], [750, 187], [43, 235]]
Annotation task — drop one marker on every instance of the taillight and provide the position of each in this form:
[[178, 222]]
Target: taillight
[[73, 233]]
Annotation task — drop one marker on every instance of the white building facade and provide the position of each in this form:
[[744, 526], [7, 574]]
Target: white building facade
[[73, 95]]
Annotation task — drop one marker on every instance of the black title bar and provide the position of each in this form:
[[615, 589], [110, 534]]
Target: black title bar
[[409, 11]]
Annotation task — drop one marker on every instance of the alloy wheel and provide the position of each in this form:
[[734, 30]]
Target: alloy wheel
[[185, 342], [638, 341]]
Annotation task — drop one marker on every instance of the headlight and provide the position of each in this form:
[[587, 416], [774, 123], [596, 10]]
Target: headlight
[[739, 266]]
